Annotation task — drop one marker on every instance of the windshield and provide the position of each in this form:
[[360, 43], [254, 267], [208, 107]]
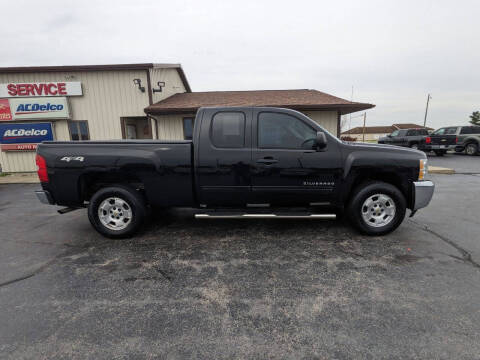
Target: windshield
[[395, 133]]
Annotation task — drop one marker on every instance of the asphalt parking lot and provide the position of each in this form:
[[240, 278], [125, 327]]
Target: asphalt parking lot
[[189, 288]]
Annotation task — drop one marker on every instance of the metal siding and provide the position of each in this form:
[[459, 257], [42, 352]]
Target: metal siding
[[107, 96], [170, 127], [326, 119], [173, 83]]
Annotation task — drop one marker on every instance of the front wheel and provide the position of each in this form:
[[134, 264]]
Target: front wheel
[[471, 149], [377, 208], [117, 211]]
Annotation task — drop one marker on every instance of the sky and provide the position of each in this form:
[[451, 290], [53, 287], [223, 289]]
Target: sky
[[391, 53]]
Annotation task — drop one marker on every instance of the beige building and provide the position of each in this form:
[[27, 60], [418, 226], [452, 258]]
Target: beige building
[[373, 133], [127, 101]]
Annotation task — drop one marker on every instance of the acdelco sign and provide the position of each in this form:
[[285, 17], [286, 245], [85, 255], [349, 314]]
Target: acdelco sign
[[39, 108], [25, 133], [72, 88]]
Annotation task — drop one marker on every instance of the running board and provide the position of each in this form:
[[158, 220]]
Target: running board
[[265, 216]]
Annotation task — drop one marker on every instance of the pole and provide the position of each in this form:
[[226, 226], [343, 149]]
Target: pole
[[426, 111], [364, 121]]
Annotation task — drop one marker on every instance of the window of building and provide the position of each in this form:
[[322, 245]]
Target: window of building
[[79, 130], [276, 130], [228, 130], [188, 128]]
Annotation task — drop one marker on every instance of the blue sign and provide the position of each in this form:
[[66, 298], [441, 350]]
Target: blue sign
[[25, 133]]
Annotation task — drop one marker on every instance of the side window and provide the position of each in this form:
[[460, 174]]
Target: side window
[[439, 132], [188, 128], [466, 130], [78, 130], [475, 129], [422, 132], [412, 132], [277, 130], [394, 133], [228, 130]]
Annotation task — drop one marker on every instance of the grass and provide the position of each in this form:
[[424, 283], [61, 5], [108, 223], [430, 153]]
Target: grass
[[4, 174]]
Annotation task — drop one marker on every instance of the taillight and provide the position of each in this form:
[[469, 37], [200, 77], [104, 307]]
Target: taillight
[[428, 140], [41, 168], [456, 139]]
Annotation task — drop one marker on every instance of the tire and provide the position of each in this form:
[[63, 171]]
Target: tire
[[471, 149], [358, 210], [126, 211], [440, 152], [414, 146]]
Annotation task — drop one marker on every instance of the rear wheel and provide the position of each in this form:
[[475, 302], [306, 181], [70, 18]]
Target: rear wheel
[[471, 149], [414, 146], [117, 211], [377, 208]]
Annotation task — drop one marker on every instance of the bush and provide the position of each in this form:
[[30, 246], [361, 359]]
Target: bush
[[348, 138]]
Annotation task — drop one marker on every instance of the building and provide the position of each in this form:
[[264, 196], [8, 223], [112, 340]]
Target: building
[[373, 133], [175, 114], [126, 101]]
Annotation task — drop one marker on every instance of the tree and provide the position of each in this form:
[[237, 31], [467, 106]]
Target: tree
[[475, 118]]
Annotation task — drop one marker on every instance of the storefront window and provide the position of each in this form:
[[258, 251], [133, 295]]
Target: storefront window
[[78, 130]]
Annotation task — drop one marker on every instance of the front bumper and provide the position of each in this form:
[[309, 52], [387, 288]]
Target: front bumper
[[423, 192], [44, 197]]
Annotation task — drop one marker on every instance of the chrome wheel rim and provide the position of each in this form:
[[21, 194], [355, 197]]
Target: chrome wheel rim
[[470, 149], [115, 213], [378, 210], [415, 146]]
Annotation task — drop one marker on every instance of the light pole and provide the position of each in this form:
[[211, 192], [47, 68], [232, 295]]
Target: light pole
[[426, 111]]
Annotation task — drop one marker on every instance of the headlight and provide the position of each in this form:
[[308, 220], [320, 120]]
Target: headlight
[[423, 169]]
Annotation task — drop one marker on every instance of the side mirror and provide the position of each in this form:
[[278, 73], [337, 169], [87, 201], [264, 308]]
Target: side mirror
[[321, 140]]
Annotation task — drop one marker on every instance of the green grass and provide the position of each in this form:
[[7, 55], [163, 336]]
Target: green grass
[[4, 174]]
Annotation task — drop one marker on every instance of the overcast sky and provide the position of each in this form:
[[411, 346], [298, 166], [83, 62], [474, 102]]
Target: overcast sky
[[392, 52]]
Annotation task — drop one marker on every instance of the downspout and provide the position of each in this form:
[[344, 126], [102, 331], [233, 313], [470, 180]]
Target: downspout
[[154, 123]]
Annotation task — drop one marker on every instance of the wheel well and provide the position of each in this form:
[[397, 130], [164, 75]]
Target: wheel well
[[89, 184], [386, 177]]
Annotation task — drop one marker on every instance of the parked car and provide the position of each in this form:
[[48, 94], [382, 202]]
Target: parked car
[[412, 138], [243, 162], [458, 138]]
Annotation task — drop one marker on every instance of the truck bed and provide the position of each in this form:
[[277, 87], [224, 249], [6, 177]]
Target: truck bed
[[163, 168]]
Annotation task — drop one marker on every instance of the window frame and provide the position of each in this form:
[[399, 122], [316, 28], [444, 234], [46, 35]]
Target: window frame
[[77, 124], [244, 130], [183, 126], [279, 148]]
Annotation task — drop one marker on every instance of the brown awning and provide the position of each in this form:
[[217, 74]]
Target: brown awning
[[293, 99]]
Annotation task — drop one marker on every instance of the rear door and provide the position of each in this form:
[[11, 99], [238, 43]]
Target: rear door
[[286, 169], [223, 156]]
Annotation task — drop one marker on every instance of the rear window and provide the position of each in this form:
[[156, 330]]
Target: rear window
[[445, 131], [228, 130]]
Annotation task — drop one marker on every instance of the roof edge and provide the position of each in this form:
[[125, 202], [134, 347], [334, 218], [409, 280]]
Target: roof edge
[[100, 67]]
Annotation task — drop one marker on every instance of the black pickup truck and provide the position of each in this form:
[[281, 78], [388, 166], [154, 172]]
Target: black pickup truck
[[242, 162], [412, 138]]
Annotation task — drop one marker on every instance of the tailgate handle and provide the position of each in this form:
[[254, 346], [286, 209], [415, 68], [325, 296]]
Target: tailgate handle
[[268, 160]]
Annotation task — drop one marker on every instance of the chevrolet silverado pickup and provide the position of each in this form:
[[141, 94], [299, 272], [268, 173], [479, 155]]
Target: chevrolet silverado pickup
[[243, 162]]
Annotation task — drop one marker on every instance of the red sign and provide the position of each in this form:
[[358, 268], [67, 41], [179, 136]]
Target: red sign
[[53, 88], [19, 147], [5, 113]]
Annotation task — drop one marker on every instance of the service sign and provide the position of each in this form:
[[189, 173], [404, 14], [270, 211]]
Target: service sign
[[39, 108], [72, 88], [24, 136], [5, 113]]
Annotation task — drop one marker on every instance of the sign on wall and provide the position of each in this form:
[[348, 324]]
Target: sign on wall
[[73, 88], [24, 136], [5, 113], [39, 108]]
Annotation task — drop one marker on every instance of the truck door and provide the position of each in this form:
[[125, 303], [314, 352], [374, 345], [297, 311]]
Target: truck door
[[223, 157], [286, 170]]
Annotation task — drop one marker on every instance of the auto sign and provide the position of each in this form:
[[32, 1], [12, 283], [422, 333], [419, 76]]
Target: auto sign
[[39, 108]]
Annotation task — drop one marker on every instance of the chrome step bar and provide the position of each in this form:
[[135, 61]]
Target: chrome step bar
[[265, 216]]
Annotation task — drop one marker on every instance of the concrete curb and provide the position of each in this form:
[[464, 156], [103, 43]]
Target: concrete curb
[[440, 170], [21, 178]]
